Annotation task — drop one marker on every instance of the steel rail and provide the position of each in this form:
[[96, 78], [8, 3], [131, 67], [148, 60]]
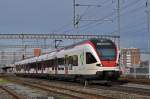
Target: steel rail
[[137, 81], [11, 92]]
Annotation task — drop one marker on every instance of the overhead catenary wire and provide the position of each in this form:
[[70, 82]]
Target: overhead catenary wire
[[122, 28], [136, 32], [81, 16], [123, 7], [63, 27], [122, 14], [132, 11], [130, 4], [86, 24], [70, 22], [125, 13], [90, 23], [94, 22]]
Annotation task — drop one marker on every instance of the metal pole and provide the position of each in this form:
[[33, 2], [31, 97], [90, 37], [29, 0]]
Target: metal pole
[[74, 16], [148, 20], [119, 29], [147, 13], [148, 49], [74, 13], [149, 65], [148, 45], [45, 43], [119, 24]]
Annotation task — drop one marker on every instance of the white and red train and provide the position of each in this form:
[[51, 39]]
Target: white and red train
[[94, 59]]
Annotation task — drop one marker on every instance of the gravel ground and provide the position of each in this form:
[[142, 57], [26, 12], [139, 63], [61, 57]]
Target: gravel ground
[[26, 92], [5, 95], [29, 93]]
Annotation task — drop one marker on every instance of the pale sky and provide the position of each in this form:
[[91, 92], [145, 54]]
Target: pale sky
[[39, 16]]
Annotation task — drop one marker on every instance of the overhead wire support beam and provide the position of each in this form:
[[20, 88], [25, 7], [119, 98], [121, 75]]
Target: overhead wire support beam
[[54, 36], [88, 5], [76, 16], [27, 46]]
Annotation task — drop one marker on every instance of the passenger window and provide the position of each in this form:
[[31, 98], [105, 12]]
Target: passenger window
[[61, 61], [90, 58], [75, 60], [70, 60]]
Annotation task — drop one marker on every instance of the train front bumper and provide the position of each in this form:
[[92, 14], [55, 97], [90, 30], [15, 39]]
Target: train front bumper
[[108, 75]]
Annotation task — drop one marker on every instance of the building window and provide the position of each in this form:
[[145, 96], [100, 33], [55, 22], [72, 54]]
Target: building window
[[90, 59]]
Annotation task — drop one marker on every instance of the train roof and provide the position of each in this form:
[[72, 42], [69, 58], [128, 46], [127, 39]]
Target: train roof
[[92, 40], [42, 57], [30, 60]]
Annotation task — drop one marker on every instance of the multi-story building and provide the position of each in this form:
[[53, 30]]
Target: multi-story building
[[130, 57]]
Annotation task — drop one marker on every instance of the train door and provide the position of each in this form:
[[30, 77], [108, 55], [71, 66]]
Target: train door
[[36, 68], [81, 60], [66, 64], [42, 66], [56, 65]]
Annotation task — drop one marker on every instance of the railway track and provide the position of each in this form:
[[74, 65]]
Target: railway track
[[137, 81], [76, 90], [118, 86], [11, 93], [73, 94], [139, 91]]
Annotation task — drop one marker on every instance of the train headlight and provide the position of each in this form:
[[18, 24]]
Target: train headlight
[[99, 65]]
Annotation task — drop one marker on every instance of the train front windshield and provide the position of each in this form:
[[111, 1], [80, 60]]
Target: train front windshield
[[106, 50], [106, 53]]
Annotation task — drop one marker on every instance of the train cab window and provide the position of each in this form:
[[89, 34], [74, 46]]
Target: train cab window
[[90, 58], [75, 60]]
